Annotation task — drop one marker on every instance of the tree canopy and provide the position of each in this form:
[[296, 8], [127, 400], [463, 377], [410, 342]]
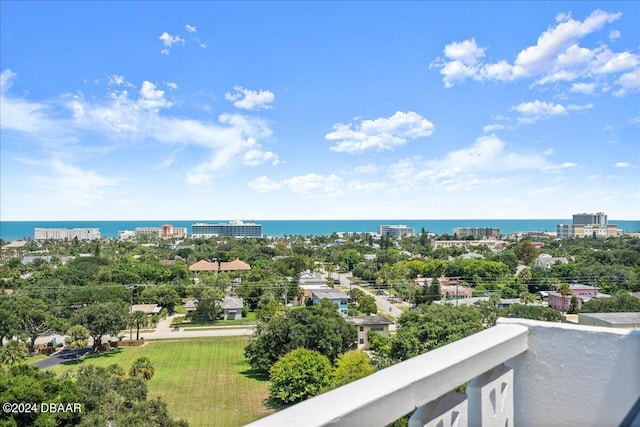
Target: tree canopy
[[319, 327]]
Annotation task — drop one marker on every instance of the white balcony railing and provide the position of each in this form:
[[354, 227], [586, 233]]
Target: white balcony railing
[[519, 372]]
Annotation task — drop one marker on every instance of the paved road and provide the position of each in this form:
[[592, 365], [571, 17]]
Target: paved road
[[381, 301]]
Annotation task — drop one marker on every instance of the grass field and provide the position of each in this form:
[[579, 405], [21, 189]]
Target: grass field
[[204, 381]]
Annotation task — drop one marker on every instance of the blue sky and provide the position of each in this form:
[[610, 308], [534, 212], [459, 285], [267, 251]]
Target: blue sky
[[295, 110]]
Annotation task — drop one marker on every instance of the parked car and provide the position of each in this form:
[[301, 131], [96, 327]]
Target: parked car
[[336, 281], [381, 292]]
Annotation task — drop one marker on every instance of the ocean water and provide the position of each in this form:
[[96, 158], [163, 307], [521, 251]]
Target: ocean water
[[15, 230]]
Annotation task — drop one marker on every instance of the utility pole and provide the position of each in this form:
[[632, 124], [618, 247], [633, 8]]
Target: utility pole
[[131, 288]]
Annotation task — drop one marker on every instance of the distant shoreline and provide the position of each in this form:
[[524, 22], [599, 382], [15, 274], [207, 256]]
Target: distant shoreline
[[16, 230]]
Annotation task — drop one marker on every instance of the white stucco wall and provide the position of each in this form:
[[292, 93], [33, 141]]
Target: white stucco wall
[[575, 375]]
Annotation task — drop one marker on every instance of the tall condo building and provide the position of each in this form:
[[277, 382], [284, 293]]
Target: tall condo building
[[587, 225], [66, 233], [590, 219], [231, 229], [397, 231], [483, 232]]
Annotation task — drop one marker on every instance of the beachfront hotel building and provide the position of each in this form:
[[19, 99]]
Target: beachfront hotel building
[[587, 225], [483, 232], [230, 229], [66, 233], [396, 231], [165, 231]]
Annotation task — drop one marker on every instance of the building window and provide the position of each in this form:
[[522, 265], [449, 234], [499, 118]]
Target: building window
[[361, 328], [361, 341], [377, 328]]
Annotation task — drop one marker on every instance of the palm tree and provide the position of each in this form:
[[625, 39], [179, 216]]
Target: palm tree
[[142, 368], [78, 337], [565, 289], [527, 297], [13, 352], [138, 319]]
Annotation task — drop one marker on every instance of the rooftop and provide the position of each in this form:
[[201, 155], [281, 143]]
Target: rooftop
[[368, 320]]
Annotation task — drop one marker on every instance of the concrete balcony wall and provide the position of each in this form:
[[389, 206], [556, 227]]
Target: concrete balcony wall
[[575, 375], [521, 372]]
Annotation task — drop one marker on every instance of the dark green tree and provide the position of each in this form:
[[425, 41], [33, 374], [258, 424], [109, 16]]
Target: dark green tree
[[319, 327], [367, 305], [107, 318], [298, 375]]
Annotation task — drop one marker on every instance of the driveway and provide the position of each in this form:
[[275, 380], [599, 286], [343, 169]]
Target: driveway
[[64, 355]]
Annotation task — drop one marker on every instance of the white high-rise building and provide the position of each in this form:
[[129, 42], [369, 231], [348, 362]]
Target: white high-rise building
[[231, 229], [397, 231], [66, 233], [587, 225]]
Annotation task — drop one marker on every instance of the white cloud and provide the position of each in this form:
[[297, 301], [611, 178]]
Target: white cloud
[[314, 183], [614, 35], [622, 165], [556, 57], [73, 186], [116, 80], [190, 28], [125, 118], [22, 115], [6, 79], [492, 128], [536, 59], [309, 185], [585, 88], [255, 157], [264, 185], [485, 162], [538, 110], [629, 83], [384, 133], [467, 51], [247, 99], [152, 97], [172, 85], [168, 41], [367, 169], [576, 107], [356, 187]]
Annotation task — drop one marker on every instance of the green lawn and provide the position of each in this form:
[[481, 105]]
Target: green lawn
[[251, 319], [204, 380]]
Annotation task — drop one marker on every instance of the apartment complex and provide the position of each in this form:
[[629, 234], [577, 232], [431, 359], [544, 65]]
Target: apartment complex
[[66, 233], [483, 232], [587, 225], [397, 231], [165, 231], [231, 229]]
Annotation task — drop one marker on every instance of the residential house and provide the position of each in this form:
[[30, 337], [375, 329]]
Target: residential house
[[333, 295], [191, 306], [215, 266], [546, 261], [364, 324], [232, 308], [308, 282], [148, 309], [455, 292], [583, 293]]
